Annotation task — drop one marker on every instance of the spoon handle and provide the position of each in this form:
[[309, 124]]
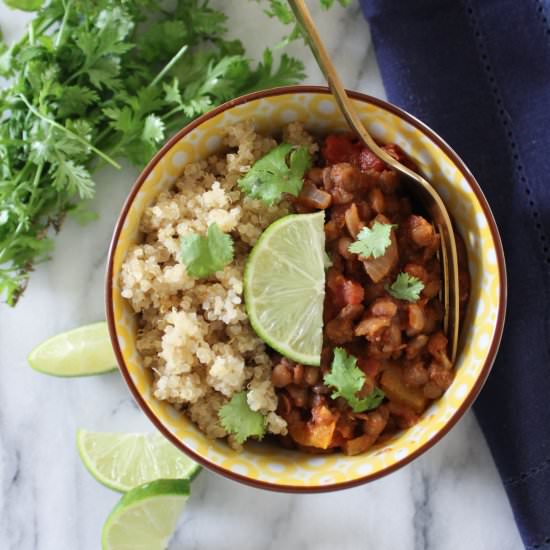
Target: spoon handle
[[429, 195], [303, 16]]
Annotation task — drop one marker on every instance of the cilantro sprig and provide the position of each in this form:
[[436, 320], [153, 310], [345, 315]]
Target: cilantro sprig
[[203, 256], [25, 5], [347, 379], [281, 10], [373, 241], [95, 81], [406, 287], [239, 419], [279, 171]]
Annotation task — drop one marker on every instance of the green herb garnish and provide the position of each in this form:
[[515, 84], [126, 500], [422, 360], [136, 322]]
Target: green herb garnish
[[281, 10], [25, 5], [279, 171], [239, 419], [373, 241], [406, 287], [203, 256], [347, 379]]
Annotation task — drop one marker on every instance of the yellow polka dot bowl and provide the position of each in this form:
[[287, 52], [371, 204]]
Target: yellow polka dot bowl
[[262, 464]]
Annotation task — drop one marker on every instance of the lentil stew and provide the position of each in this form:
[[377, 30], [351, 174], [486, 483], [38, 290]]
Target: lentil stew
[[383, 318]]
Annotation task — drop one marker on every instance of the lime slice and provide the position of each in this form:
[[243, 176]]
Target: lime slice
[[124, 461], [146, 517], [83, 351], [284, 286]]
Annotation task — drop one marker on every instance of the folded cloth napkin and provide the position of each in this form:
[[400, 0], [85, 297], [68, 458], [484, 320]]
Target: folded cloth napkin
[[478, 73]]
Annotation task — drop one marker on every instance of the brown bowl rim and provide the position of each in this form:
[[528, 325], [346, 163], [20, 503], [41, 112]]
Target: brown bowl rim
[[468, 400]]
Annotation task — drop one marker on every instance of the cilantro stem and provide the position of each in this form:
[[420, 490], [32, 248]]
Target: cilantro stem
[[31, 33], [175, 110], [73, 76], [39, 30], [104, 133], [21, 173], [112, 151], [67, 131], [67, 7], [168, 66], [35, 183], [6, 245]]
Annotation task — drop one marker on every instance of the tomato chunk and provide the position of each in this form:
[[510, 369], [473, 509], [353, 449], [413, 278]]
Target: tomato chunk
[[341, 148], [344, 291], [353, 292], [369, 161]]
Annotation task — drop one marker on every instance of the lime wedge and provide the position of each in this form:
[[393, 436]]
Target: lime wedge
[[83, 351], [146, 517], [124, 461], [284, 286]]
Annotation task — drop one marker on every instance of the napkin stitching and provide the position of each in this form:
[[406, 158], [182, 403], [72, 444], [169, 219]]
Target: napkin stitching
[[518, 165], [542, 13], [524, 476], [545, 542]]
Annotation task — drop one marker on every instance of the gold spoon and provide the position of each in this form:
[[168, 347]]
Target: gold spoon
[[417, 185]]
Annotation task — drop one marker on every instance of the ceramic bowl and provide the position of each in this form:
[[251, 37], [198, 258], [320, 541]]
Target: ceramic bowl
[[262, 464]]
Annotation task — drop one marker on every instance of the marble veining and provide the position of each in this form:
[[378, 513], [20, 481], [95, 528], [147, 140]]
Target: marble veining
[[449, 499]]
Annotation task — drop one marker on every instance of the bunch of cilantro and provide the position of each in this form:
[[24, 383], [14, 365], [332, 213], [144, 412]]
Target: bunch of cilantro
[[92, 82]]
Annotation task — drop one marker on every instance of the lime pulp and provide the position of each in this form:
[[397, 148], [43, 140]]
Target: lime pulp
[[123, 461], [83, 351]]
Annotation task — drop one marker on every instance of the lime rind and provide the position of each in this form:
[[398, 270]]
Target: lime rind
[[124, 461], [84, 351], [284, 284], [145, 517]]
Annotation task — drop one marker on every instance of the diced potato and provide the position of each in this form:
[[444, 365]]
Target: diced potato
[[392, 384], [358, 445], [321, 435], [312, 435], [316, 433]]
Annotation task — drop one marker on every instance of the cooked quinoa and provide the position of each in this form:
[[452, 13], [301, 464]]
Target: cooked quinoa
[[194, 333]]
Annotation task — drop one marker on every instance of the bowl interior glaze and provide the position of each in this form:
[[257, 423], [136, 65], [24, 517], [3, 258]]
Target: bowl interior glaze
[[263, 464]]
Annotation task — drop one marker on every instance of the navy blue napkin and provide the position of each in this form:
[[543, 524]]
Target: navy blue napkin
[[478, 73]]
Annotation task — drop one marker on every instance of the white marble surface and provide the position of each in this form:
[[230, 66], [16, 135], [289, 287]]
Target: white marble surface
[[449, 499]]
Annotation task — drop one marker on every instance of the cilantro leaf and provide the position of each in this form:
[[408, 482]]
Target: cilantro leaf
[[153, 130], [25, 5], [162, 39], [406, 287], [74, 100], [220, 76], [74, 178], [373, 241], [280, 10], [290, 70], [172, 92], [279, 171], [203, 256], [326, 4], [347, 379], [104, 73], [239, 419], [202, 20]]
